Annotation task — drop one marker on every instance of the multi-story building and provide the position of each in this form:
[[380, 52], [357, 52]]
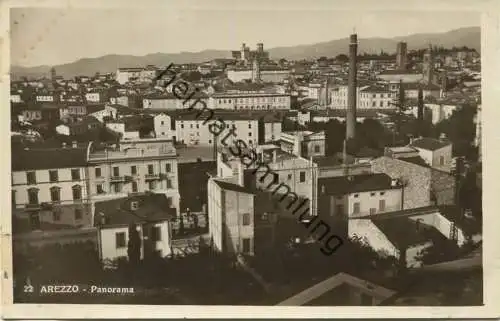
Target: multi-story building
[[436, 153], [358, 195], [136, 166], [303, 143], [149, 214], [49, 186], [273, 170], [267, 74], [124, 75], [368, 97], [194, 129], [231, 216], [169, 101], [254, 100], [423, 185]]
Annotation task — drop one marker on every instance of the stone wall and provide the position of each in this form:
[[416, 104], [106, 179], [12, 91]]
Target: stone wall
[[416, 180]]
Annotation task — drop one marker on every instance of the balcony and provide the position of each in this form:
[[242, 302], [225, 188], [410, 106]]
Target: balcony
[[33, 207], [117, 179], [152, 177]]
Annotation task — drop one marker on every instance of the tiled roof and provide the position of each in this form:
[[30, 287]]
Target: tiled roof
[[356, 183], [117, 212], [429, 143], [404, 232], [48, 158]]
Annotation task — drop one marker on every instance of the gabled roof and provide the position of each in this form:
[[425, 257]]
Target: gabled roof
[[118, 212], [356, 183], [429, 143], [403, 231], [233, 187], [48, 158]]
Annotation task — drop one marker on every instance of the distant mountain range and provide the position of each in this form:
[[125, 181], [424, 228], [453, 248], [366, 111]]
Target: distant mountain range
[[470, 37]]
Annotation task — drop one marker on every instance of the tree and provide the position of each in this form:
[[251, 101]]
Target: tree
[[342, 58], [134, 245]]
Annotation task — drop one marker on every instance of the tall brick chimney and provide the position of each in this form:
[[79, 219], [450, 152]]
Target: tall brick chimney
[[352, 88]]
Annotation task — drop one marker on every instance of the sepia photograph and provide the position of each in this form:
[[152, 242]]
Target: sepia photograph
[[257, 157]]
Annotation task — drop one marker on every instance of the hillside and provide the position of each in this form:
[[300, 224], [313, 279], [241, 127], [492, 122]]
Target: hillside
[[469, 37]]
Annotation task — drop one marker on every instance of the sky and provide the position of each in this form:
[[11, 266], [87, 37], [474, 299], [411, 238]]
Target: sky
[[51, 36]]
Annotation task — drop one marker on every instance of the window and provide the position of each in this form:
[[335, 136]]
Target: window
[[75, 174], [156, 234], [162, 122], [289, 176], [381, 205], [191, 126], [56, 216], [169, 183], [210, 141], [356, 195], [134, 187], [250, 134], [35, 221], [372, 194], [33, 195], [246, 245], [152, 185], [55, 194], [150, 169], [53, 176], [134, 205], [246, 219], [133, 170], [355, 209], [117, 188], [382, 193], [249, 125], [98, 172], [31, 178], [373, 210], [116, 171], [197, 126], [100, 189], [340, 209], [441, 160], [120, 240], [182, 125], [78, 214], [77, 192], [316, 149], [302, 177]]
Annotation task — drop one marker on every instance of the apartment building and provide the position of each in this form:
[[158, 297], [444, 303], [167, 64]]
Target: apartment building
[[303, 143], [358, 195], [273, 170], [250, 101], [193, 129], [230, 216], [149, 214], [124, 75], [168, 101], [49, 186], [135, 166], [368, 97]]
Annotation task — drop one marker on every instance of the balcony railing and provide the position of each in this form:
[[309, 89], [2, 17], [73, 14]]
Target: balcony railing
[[117, 179], [150, 177], [33, 207]]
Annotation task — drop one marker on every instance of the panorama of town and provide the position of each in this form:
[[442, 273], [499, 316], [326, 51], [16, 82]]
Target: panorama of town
[[252, 180]]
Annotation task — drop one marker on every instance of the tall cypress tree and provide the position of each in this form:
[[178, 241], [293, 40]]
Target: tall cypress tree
[[134, 245]]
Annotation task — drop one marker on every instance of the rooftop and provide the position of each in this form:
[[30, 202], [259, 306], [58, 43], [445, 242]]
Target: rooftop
[[356, 183], [49, 158], [118, 212], [403, 231], [429, 143]]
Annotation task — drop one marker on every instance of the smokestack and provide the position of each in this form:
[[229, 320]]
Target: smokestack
[[351, 90], [420, 110]]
